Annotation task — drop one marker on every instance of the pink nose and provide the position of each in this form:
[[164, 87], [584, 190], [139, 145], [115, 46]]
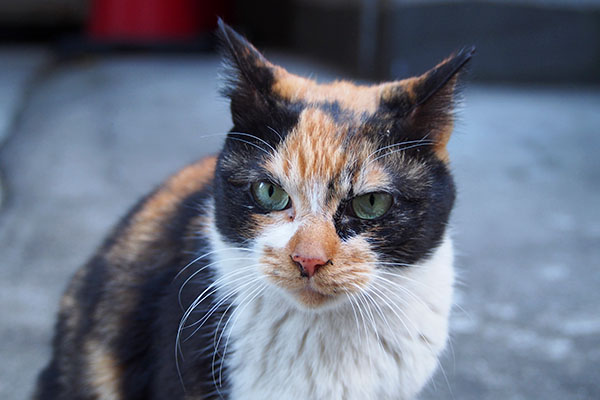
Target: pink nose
[[309, 265]]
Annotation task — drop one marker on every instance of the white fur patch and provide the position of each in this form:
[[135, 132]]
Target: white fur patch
[[278, 235], [383, 344]]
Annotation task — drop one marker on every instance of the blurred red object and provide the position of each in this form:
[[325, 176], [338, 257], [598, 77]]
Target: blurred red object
[[153, 20]]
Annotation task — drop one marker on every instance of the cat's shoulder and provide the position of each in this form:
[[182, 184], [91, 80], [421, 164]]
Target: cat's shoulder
[[115, 295]]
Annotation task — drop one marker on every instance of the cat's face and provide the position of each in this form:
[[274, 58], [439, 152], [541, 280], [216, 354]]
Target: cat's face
[[328, 183]]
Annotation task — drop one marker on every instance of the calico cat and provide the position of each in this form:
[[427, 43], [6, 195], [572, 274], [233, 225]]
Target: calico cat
[[309, 260]]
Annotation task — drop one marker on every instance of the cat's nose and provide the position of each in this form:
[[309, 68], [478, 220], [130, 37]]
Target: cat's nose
[[309, 264]]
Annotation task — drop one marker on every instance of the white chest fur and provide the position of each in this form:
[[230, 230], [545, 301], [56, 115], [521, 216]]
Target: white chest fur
[[382, 347]]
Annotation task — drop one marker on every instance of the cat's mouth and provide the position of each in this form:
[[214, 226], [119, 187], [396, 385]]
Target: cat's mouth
[[319, 288]]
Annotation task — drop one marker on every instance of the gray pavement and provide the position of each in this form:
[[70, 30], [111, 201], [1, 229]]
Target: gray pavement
[[97, 134], [18, 67]]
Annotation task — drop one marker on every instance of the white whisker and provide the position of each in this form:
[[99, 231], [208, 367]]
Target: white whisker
[[431, 290], [251, 144], [275, 132], [399, 150], [203, 268], [209, 253], [234, 290], [355, 318], [254, 137], [397, 145], [239, 311], [434, 354]]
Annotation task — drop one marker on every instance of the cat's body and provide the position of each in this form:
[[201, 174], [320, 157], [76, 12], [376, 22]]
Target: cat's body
[[309, 260]]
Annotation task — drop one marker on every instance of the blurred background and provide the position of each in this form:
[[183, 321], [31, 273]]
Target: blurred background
[[100, 100]]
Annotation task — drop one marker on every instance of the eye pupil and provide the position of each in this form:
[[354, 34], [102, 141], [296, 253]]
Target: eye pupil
[[269, 196], [371, 205]]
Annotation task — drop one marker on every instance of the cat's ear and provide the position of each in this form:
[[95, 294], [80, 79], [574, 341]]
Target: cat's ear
[[248, 73], [425, 104]]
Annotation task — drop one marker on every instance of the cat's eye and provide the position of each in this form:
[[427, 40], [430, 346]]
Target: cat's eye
[[270, 196], [371, 205]]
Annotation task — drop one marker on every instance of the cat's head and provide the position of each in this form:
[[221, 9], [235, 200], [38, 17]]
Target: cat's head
[[327, 183]]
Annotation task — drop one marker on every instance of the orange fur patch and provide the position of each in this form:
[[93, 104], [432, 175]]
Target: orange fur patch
[[358, 98], [147, 224], [315, 236], [391, 90], [103, 372], [312, 154], [372, 179]]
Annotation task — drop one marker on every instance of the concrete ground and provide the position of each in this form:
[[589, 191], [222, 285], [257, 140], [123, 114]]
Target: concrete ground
[[95, 135]]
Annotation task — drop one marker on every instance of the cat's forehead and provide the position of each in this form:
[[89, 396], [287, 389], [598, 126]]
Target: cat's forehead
[[347, 96], [316, 147], [320, 158]]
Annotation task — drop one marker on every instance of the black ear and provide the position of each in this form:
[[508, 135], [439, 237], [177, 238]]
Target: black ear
[[440, 81], [425, 104], [258, 114], [248, 73]]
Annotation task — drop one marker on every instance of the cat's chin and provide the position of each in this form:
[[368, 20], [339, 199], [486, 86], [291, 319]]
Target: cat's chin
[[310, 298]]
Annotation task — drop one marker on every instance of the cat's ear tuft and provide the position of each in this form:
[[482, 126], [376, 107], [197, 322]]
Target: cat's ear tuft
[[426, 103]]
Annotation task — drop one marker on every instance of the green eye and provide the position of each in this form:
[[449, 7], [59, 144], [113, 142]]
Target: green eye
[[269, 196], [371, 205]]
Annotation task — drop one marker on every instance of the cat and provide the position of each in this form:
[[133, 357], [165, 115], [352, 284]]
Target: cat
[[310, 259]]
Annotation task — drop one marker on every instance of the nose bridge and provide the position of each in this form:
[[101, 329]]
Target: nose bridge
[[315, 239]]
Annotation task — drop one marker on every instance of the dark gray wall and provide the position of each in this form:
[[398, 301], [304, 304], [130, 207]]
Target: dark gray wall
[[522, 43], [516, 43]]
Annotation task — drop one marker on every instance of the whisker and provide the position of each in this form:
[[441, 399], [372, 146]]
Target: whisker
[[251, 144], [431, 289], [275, 132], [405, 290], [399, 150], [396, 145], [225, 296], [207, 266], [388, 263], [199, 299], [370, 298], [239, 311], [216, 282], [209, 253], [261, 140], [418, 331], [232, 293], [178, 350], [360, 299], [363, 319], [254, 137], [355, 318]]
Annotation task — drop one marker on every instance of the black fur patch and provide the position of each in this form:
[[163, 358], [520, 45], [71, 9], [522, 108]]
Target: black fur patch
[[430, 109], [416, 222]]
